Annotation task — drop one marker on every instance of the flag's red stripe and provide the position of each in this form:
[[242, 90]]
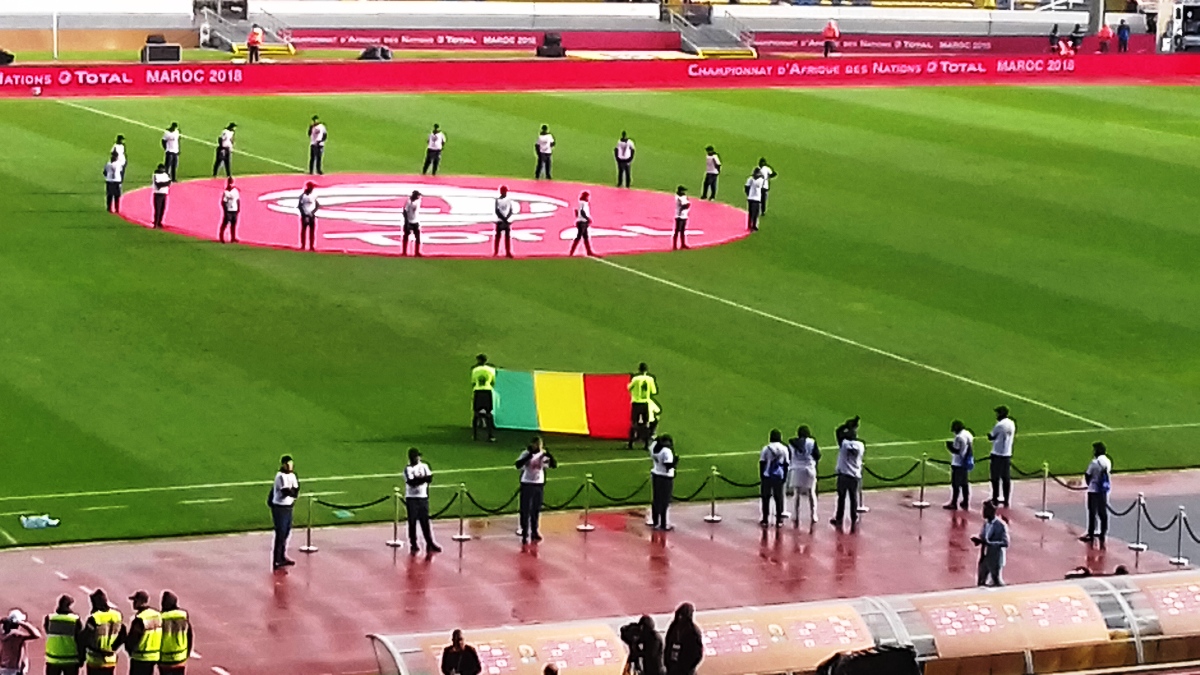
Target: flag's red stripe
[[606, 398]]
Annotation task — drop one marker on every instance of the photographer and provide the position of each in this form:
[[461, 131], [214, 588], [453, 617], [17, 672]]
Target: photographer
[[15, 631], [645, 648], [684, 644]]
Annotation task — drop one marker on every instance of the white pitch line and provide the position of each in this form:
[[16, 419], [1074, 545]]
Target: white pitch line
[[853, 343], [37, 560], [7, 537], [60, 575], [219, 670], [214, 500], [80, 106], [110, 507], [85, 589]]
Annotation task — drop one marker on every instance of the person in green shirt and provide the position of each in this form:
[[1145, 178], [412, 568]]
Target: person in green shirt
[[641, 388], [483, 381]]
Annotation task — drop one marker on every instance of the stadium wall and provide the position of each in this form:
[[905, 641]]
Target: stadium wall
[[544, 75], [84, 40]]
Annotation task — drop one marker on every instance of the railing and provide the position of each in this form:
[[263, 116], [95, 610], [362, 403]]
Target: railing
[[743, 32], [272, 26]]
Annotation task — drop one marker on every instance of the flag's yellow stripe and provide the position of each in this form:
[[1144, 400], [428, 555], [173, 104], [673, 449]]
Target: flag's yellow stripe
[[560, 402]]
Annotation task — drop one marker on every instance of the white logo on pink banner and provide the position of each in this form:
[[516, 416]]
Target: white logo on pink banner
[[364, 214]]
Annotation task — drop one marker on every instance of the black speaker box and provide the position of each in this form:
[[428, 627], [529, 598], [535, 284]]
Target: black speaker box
[[6, 57]]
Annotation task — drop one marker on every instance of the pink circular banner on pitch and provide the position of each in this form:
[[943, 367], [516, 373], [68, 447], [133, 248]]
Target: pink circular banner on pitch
[[363, 214]]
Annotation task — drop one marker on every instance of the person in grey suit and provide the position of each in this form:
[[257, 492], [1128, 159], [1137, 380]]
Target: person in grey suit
[[992, 542]]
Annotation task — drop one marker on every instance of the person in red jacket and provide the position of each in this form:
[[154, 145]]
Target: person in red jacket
[[1106, 35], [254, 43], [831, 34]]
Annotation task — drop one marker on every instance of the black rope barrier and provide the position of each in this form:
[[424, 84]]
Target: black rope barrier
[[1021, 472], [1151, 523], [695, 493], [442, 511], [493, 511], [353, 507], [621, 500], [559, 507], [734, 483], [1187, 525], [1122, 514], [892, 479], [828, 476], [1063, 483], [943, 462]]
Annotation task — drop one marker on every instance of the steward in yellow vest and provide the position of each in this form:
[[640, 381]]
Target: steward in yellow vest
[[103, 634], [641, 388], [176, 637], [145, 636], [64, 649], [483, 383]]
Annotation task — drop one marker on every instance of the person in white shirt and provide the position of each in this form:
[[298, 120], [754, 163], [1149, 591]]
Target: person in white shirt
[[504, 213], [993, 546], [849, 473], [802, 472], [682, 207], [283, 497], [1099, 484], [962, 460], [224, 150], [772, 471], [1002, 437], [433, 150], [162, 185], [662, 480], [532, 463], [412, 224], [119, 148], [754, 191], [231, 205], [712, 169], [112, 183], [624, 154], [583, 220], [767, 174], [170, 144], [308, 206], [317, 135], [417, 477], [544, 148]]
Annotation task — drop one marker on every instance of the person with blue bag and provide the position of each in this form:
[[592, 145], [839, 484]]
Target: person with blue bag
[[772, 470], [962, 461]]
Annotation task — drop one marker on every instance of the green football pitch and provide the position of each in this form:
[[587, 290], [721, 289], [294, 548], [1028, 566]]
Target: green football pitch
[[930, 254]]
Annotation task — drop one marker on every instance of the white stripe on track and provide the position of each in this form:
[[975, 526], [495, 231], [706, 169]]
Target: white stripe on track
[[121, 118], [853, 343]]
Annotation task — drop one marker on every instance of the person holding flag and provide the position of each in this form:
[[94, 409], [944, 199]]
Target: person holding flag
[[483, 384], [642, 388]]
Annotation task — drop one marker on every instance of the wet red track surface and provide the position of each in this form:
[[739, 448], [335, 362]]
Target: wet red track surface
[[313, 619]]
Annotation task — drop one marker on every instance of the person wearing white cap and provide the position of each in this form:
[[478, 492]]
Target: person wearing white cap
[[15, 631], [308, 205]]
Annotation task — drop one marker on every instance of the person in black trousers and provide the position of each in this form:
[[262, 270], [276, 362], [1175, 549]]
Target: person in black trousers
[[162, 186], [224, 150], [662, 480], [649, 648], [772, 470], [532, 463], [281, 499], [624, 156], [712, 171], [544, 148], [112, 183], [417, 478]]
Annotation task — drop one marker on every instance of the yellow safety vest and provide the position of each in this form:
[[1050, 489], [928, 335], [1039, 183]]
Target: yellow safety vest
[[483, 378], [100, 653], [641, 388], [175, 648], [61, 647], [148, 648]]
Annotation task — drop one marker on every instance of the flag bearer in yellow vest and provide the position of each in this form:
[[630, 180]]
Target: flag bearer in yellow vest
[[483, 382], [145, 636], [641, 388], [176, 637], [64, 649], [103, 634]]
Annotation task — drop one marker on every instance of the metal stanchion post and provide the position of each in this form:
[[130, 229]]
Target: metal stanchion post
[[712, 516], [1137, 544], [586, 525], [462, 518], [1179, 559], [1045, 513], [308, 545], [862, 502], [921, 503], [396, 541]]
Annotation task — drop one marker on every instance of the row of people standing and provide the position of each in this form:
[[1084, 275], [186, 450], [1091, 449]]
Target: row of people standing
[[161, 639]]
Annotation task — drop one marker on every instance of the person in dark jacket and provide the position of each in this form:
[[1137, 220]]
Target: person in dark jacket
[[684, 647], [460, 658], [1077, 38], [649, 649], [1054, 39]]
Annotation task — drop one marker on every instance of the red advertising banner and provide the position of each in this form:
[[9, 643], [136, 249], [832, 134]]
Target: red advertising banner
[[481, 39], [771, 43], [566, 75]]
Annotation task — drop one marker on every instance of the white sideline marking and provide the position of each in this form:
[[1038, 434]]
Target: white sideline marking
[[330, 493], [85, 589], [7, 537], [15, 513], [60, 575], [38, 560], [215, 500], [219, 670], [111, 507], [196, 655], [853, 343], [80, 106]]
